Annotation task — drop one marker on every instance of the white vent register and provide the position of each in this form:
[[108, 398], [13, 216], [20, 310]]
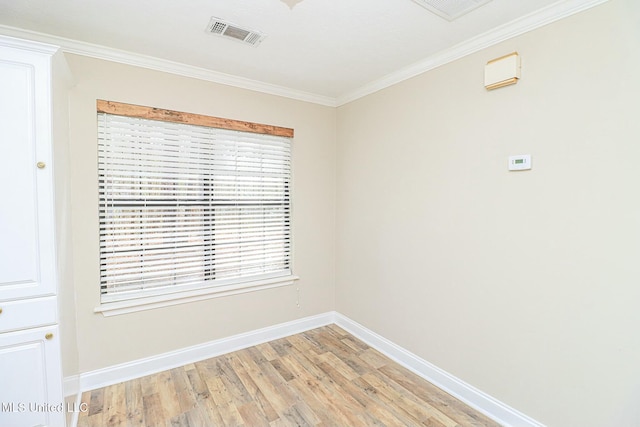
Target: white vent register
[[220, 27]]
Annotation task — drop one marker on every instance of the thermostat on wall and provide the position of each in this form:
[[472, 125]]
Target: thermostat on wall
[[520, 163]]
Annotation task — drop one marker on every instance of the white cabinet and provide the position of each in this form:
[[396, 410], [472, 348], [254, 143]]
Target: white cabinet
[[27, 248], [31, 390], [28, 362]]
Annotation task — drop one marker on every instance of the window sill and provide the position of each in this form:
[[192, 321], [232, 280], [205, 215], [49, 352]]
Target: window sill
[[149, 303]]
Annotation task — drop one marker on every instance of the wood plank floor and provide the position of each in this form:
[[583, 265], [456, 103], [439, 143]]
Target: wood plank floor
[[323, 378]]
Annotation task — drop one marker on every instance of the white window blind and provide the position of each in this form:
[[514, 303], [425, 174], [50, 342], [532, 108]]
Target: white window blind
[[184, 207]]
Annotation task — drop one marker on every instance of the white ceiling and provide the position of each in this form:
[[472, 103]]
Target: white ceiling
[[326, 48]]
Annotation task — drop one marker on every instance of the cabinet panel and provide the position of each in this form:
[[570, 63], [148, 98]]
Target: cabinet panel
[[26, 217], [28, 313], [31, 394]]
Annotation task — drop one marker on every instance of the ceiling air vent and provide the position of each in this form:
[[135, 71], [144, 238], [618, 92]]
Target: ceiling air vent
[[223, 28], [451, 9]]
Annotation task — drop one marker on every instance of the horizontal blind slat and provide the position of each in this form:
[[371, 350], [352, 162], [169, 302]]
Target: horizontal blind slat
[[118, 267]]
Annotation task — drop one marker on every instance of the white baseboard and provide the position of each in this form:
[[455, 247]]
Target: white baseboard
[[482, 402], [468, 394], [162, 362], [71, 385]]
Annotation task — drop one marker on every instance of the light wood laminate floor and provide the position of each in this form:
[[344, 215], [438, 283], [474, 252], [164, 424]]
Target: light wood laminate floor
[[324, 377]]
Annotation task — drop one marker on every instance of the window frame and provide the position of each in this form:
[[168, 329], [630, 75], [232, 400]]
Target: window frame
[[179, 296]]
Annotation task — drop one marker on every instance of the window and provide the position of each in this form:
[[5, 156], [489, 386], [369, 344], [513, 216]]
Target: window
[[187, 207]]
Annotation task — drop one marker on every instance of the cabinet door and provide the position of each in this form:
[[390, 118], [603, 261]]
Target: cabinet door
[[31, 394], [27, 250]]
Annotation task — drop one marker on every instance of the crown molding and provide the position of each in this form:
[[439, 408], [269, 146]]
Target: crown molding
[[158, 64], [33, 46], [499, 34]]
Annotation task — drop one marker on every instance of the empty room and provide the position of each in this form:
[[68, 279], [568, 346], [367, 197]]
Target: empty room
[[272, 213]]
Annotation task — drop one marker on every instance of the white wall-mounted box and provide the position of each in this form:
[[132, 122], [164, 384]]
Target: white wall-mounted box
[[502, 71], [520, 162]]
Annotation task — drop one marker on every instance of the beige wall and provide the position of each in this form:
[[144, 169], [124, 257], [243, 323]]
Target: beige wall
[[106, 341], [524, 284]]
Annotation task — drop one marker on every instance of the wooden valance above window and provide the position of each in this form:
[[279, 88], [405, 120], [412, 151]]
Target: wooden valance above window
[[151, 113]]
